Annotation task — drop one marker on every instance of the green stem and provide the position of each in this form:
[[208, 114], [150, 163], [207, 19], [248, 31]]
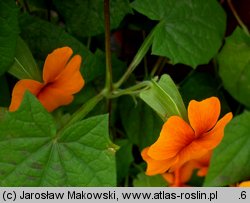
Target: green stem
[[89, 42], [84, 109], [90, 104], [108, 83], [165, 61], [137, 59], [136, 89], [156, 66], [244, 27], [145, 62]]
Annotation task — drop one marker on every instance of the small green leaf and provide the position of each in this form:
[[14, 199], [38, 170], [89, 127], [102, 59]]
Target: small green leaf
[[231, 159], [24, 66], [186, 33], [9, 31], [143, 180], [32, 153], [164, 98], [234, 66], [141, 124], [87, 18]]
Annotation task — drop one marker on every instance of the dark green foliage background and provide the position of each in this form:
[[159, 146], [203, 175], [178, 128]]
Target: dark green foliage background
[[199, 55]]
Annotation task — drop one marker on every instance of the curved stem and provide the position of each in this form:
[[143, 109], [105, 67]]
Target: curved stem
[[244, 27], [90, 104], [137, 59], [89, 42], [84, 110], [156, 66], [145, 61], [136, 89]]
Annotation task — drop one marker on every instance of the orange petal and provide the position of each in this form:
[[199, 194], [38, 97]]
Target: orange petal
[[211, 139], [186, 171], [177, 178], [201, 163], [203, 115], [20, 88], [190, 152], [169, 177], [205, 160], [244, 184], [55, 63], [70, 80], [202, 171], [175, 135], [181, 175], [52, 98], [156, 167]]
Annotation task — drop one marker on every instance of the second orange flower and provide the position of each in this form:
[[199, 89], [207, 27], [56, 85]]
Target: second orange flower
[[61, 79], [180, 142]]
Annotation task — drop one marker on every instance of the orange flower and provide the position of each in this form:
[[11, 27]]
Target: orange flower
[[61, 79], [180, 176], [202, 164], [180, 142]]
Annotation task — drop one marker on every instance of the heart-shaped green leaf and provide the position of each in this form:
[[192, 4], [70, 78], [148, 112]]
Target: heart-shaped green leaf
[[32, 153], [231, 159], [234, 66], [189, 31]]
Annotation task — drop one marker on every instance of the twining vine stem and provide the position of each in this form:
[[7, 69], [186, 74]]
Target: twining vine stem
[[244, 27], [108, 83], [137, 59], [111, 90]]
